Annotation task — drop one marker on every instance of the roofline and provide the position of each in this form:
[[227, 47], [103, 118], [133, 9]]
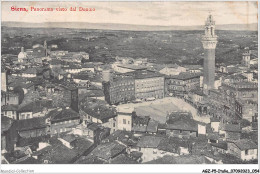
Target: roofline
[[244, 149], [64, 119], [181, 129], [40, 127]]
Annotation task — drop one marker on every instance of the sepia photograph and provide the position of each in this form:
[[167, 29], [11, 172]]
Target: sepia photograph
[[141, 83]]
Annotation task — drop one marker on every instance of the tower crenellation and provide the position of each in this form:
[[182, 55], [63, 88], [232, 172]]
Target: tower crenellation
[[209, 40]]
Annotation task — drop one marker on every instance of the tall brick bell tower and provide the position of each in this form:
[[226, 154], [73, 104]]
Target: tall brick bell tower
[[209, 41]]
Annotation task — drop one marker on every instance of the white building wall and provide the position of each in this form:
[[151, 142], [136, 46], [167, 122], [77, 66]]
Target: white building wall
[[42, 145], [10, 114], [124, 122], [112, 124], [201, 129], [215, 126], [65, 143], [25, 115], [3, 81], [217, 84], [252, 154], [28, 75], [201, 81]]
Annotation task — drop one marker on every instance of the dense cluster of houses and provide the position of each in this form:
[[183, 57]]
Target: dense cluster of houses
[[56, 108]]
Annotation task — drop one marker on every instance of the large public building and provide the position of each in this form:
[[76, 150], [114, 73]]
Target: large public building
[[141, 85]]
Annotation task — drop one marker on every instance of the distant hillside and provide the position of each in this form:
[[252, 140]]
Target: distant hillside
[[112, 26]]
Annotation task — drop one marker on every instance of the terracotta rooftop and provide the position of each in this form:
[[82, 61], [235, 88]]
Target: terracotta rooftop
[[69, 137], [141, 120], [231, 127], [221, 145], [30, 71], [123, 159], [89, 160], [123, 136], [35, 106], [152, 126], [245, 144], [62, 115], [9, 108], [143, 74], [27, 124], [108, 150], [185, 76], [100, 112], [149, 142]]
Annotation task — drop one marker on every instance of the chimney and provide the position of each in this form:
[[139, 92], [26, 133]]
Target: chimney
[[22, 49]]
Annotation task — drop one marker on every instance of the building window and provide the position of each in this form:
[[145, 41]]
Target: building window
[[114, 124], [124, 121], [128, 122], [180, 131], [246, 152]]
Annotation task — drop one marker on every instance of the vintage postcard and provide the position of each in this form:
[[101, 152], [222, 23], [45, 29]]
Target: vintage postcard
[[142, 83]]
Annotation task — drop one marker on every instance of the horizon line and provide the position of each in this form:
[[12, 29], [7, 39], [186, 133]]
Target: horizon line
[[127, 24]]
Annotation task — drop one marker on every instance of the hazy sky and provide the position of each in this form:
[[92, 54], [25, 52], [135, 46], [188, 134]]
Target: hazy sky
[[144, 13]]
